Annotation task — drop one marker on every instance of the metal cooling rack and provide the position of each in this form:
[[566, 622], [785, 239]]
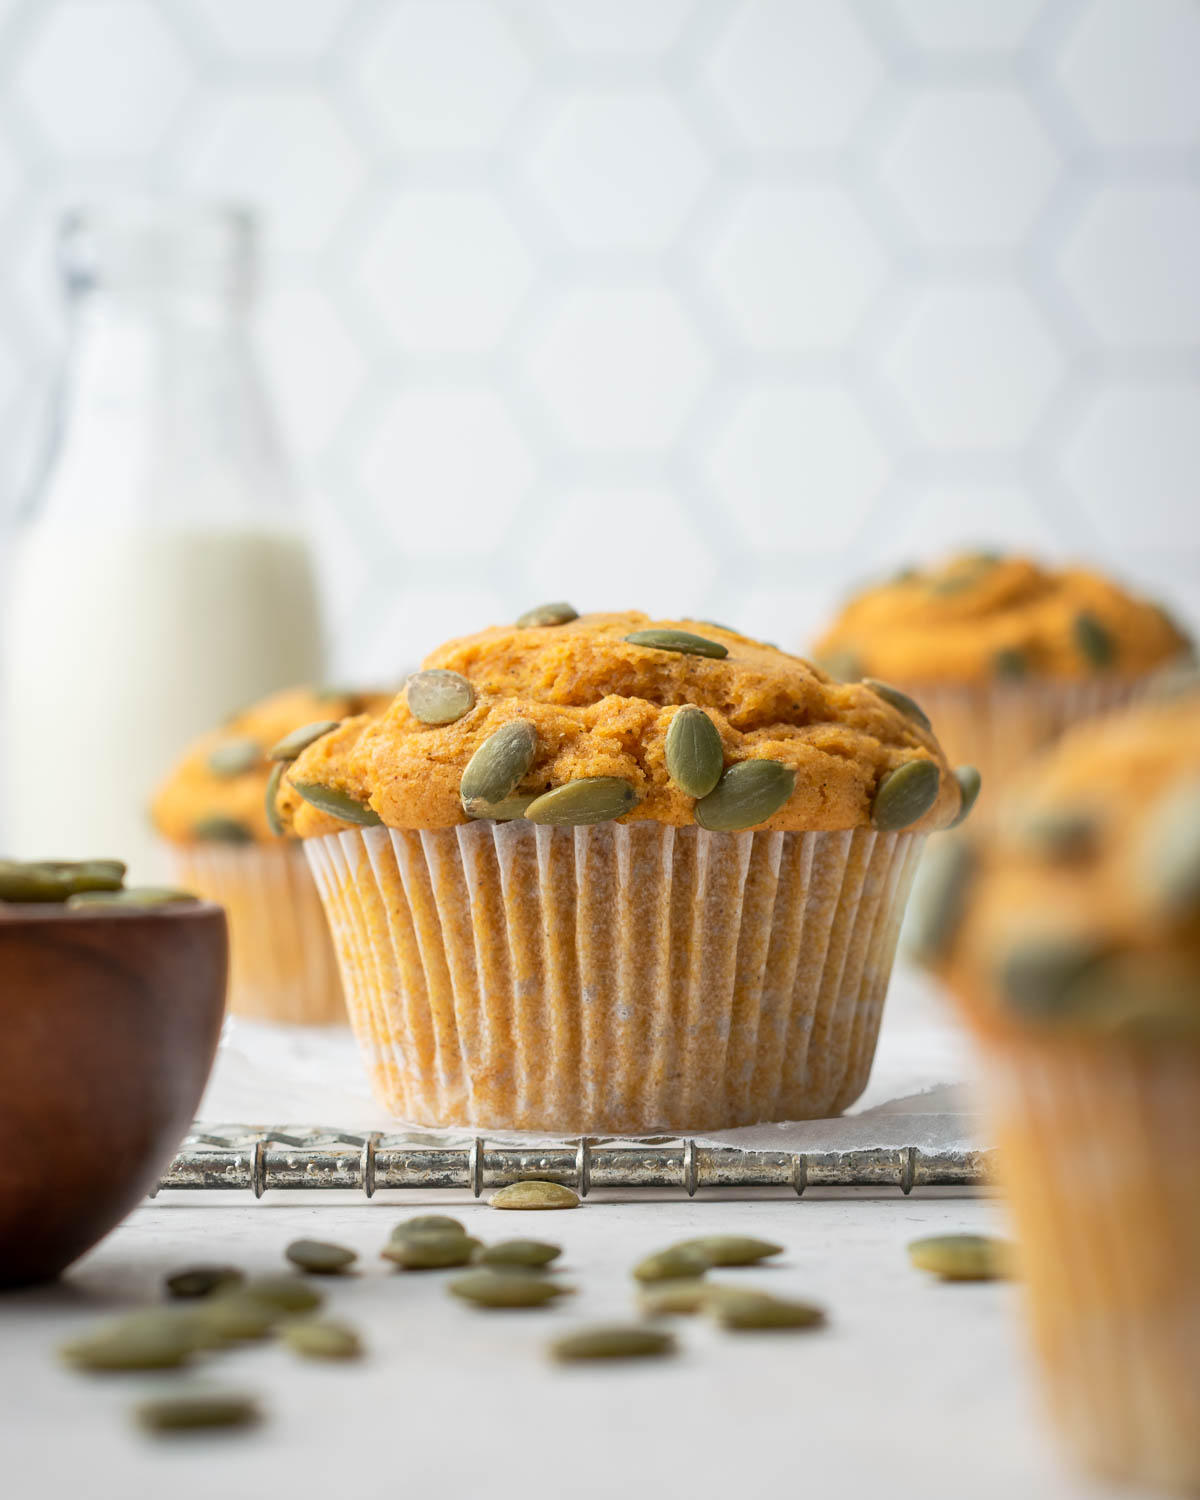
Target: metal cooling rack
[[258, 1158]]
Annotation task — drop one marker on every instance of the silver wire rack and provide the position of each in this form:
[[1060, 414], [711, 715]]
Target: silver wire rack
[[259, 1158]]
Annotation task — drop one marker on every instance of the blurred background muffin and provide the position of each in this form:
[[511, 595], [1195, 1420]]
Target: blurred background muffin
[[1003, 653], [212, 811], [1070, 937]]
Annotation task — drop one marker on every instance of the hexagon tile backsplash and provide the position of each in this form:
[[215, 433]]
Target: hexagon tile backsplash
[[707, 305]]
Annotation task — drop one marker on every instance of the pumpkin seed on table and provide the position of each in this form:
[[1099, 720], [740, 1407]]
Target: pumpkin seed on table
[[731, 1249], [234, 1316], [685, 1294], [963, 1257], [194, 1410], [506, 1287], [612, 1341], [530, 1254], [741, 1309], [337, 804], [905, 795], [682, 641], [219, 829], [534, 1195], [289, 1293], [970, 783], [202, 1281], [134, 896], [57, 880], [909, 707], [676, 1263], [320, 1338], [694, 753], [591, 799], [293, 745], [747, 794], [320, 1257], [139, 1342], [493, 772], [274, 781], [428, 1224], [235, 757], [436, 696], [1093, 639], [547, 614], [431, 1251]]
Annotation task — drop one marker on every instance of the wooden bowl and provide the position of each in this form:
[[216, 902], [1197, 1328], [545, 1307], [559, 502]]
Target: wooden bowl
[[109, 1021]]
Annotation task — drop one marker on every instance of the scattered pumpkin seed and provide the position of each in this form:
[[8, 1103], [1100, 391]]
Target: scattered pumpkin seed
[[431, 1251], [1171, 851], [1061, 833], [202, 1281], [970, 783], [493, 772], [218, 829], [534, 1195], [134, 895], [529, 1254], [506, 811], [289, 1293], [1010, 663], [189, 1411], [731, 1249], [742, 1309], [235, 1315], [612, 1341], [338, 804], [506, 1288], [962, 1257], [428, 1224], [747, 794], [694, 753], [140, 1342], [547, 614], [1094, 640], [591, 799], [274, 822], [436, 696], [909, 707], [939, 898], [676, 1263], [685, 1294], [320, 1257], [905, 795], [1037, 973], [682, 641], [293, 745], [56, 880], [320, 1338], [235, 757]]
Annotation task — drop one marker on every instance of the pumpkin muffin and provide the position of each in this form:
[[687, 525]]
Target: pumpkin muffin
[[1003, 653], [609, 874], [1071, 940], [212, 810]]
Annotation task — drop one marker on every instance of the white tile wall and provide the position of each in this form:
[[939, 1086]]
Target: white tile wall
[[697, 304]]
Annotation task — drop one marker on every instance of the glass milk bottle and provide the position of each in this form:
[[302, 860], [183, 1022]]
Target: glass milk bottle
[[159, 578]]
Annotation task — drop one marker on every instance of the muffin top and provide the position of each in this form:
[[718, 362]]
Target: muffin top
[[620, 716], [979, 617], [217, 792], [1081, 909]]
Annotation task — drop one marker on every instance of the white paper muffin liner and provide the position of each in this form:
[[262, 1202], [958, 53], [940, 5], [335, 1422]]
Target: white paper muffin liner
[[282, 965], [615, 978], [1099, 1148]]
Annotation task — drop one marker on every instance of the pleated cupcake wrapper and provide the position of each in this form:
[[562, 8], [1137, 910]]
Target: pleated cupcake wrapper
[[282, 965], [616, 978], [1100, 1154]]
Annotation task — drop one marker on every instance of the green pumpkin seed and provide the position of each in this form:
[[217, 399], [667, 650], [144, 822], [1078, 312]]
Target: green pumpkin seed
[[338, 804], [529, 1254], [235, 758], [1094, 640], [497, 767], [746, 1310], [1149, 997], [506, 1288], [1010, 663], [320, 1257], [731, 1249], [963, 1257], [202, 1281], [500, 812], [233, 1316], [320, 1338], [612, 1341], [56, 880], [274, 822], [909, 707], [141, 1342], [534, 1195], [134, 895], [428, 1224], [905, 795], [219, 829], [293, 745], [436, 696], [430, 1251], [939, 898], [747, 794], [686, 1294], [1065, 833], [591, 799], [1037, 974], [191, 1411], [1171, 851], [288, 1293], [677, 1263], [843, 665], [682, 641], [547, 614], [694, 753], [970, 784]]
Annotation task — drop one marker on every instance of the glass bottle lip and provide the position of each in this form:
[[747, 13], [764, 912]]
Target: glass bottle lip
[[159, 247]]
